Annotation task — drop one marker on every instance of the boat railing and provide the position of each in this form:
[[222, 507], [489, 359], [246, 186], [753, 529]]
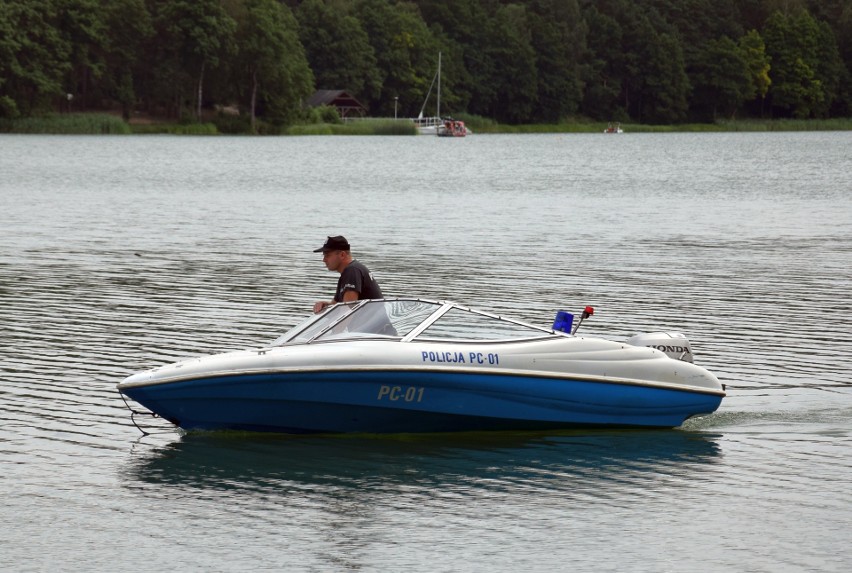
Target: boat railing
[[416, 121], [428, 121]]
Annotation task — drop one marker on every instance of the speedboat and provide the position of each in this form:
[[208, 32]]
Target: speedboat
[[412, 365]]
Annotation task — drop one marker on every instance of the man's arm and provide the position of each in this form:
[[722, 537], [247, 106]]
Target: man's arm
[[350, 296]]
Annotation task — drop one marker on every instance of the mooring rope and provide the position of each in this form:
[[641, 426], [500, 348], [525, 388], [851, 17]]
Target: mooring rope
[[133, 413]]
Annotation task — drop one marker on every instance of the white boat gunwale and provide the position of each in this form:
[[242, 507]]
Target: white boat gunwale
[[430, 368]]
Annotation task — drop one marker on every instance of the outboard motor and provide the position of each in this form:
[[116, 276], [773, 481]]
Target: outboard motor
[[674, 344]]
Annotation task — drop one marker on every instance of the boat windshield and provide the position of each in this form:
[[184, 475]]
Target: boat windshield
[[465, 324], [309, 329], [363, 319], [407, 319]]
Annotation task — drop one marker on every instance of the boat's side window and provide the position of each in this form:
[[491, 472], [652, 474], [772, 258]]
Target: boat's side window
[[458, 324]]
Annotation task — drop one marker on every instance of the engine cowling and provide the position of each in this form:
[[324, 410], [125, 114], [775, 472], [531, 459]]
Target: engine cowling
[[674, 344]]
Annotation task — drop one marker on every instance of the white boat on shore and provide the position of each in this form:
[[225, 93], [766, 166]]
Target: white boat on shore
[[436, 125]]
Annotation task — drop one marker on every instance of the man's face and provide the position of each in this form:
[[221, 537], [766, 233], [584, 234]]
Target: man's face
[[332, 259]]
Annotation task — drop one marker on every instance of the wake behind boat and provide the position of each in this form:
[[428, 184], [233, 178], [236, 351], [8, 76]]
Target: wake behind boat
[[411, 365]]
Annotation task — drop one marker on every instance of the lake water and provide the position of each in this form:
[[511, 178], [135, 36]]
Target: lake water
[[122, 253]]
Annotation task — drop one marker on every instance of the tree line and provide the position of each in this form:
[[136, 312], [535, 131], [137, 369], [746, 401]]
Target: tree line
[[515, 61]]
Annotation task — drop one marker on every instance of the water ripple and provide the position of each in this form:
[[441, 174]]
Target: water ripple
[[122, 254]]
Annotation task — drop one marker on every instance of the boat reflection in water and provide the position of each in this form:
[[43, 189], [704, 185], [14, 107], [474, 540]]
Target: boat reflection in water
[[574, 461]]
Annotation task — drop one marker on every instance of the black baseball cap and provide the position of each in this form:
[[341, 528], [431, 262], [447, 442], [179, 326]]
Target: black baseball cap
[[338, 243]]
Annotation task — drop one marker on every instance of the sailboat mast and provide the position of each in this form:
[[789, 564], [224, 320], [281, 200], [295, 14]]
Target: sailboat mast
[[439, 84]]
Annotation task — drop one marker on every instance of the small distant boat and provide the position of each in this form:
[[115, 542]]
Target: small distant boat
[[436, 125], [616, 128], [452, 128]]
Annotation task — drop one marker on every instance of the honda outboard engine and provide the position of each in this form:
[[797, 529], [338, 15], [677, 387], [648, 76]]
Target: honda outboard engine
[[674, 344]]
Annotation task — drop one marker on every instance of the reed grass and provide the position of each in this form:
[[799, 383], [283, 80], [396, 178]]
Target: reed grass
[[364, 127], [175, 129], [310, 129], [745, 125], [68, 124], [477, 123], [102, 123], [836, 124], [543, 128]]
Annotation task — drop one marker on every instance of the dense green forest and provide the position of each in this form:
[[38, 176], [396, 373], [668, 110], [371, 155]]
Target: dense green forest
[[518, 61]]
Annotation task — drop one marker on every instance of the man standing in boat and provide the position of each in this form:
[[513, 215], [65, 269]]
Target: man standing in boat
[[356, 281]]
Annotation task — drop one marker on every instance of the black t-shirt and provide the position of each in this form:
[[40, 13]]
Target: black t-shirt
[[357, 277]]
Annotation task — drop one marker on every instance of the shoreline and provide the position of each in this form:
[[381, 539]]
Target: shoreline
[[102, 123]]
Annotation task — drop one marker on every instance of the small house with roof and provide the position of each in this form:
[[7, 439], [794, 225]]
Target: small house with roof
[[346, 104]]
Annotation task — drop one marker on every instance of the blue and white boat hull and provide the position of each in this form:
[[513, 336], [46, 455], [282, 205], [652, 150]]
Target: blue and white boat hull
[[387, 387], [409, 365], [399, 401]]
